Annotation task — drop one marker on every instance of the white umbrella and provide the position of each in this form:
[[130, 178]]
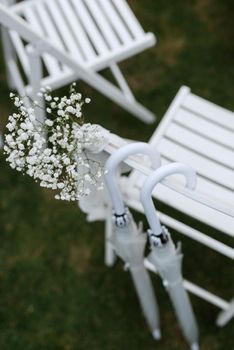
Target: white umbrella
[[128, 240], [165, 256]]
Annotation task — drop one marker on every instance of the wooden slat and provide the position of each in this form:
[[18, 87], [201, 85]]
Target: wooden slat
[[116, 21], [169, 115], [204, 186], [210, 111], [64, 30], [48, 26], [20, 50], [90, 27], [30, 16], [135, 163], [201, 145], [103, 24], [129, 18], [79, 33], [203, 166], [19, 7], [195, 210], [205, 127], [187, 206]]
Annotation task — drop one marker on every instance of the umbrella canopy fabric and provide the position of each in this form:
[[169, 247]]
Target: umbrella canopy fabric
[[128, 240], [167, 259], [129, 244], [164, 255]]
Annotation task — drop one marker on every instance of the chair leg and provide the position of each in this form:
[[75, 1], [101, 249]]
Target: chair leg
[[111, 91], [1, 140], [116, 95], [9, 55], [35, 81], [122, 82], [226, 315]]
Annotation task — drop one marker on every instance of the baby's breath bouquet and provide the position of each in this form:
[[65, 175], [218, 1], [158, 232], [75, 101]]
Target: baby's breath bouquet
[[57, 152]]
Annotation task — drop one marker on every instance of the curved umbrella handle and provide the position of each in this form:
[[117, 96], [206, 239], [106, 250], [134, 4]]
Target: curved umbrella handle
[[151, 181], [111, 167]]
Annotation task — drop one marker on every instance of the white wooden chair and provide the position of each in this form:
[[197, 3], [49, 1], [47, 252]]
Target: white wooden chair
[[201, 134], [58, 41]]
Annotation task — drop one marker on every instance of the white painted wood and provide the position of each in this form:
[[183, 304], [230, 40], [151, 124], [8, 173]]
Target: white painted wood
[[214, 161], [20, 50], [31, 17], [211, 217], [122, 82], [129, 18], [201, 145], [226, 315], [206, 188], [204, 127], [178, 99], [202, 165], [21, 5], [116, 21], [63, 29], [134, 203], [106, 56], [35, 79], [9, 54], [17, 78], [210, 111], [103, 24], [1, 141], [78, 32], [90, 27]]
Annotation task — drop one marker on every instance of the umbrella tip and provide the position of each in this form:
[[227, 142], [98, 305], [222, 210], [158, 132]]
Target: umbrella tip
[[156, 334], [194, 346]]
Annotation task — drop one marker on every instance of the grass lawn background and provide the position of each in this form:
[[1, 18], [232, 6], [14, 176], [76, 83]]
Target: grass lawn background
[[55, 291]]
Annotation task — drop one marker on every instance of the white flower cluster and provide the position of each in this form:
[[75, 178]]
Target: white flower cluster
[[56, 153]]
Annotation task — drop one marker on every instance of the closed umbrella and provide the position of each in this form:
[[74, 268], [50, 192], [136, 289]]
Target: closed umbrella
[[128, 239], [166, 258]]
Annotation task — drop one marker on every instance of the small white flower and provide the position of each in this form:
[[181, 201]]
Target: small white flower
[[70, 109], [61, 112], [61, 164], [49, 122], [53, 105], [60, 185]]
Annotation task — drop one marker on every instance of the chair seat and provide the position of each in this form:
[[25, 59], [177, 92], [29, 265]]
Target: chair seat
[[94, 32], [201, 134]]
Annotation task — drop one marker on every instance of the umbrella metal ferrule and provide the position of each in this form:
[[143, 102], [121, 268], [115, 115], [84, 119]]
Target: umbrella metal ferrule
[[121, 220], [158, 240]]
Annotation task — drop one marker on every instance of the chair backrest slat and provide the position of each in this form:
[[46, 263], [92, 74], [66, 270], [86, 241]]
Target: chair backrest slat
[[201, 145], [14, 22], [204, 166], [117, 22], [103, 24], [83, 41], [63, 29], [20, 50], [33, 19], [129, 18], [210, 111], [206, 187], [90, 27], [204, 127]]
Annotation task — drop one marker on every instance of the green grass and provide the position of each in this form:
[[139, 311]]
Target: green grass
[[55, 291]]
